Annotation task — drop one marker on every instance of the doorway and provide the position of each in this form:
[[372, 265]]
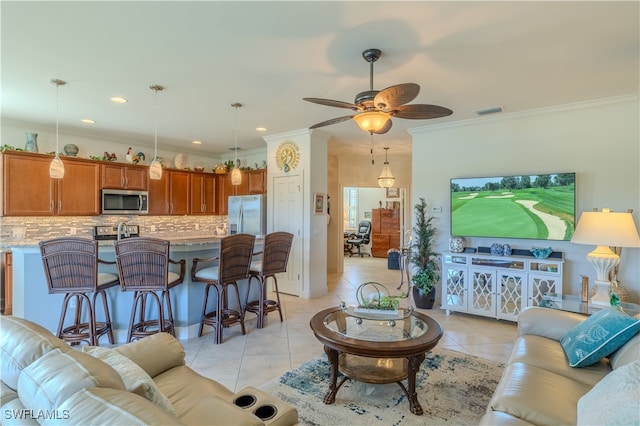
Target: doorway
[[358, 204]]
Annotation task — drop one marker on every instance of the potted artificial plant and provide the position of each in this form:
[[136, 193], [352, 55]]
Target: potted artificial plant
[[426, 263]]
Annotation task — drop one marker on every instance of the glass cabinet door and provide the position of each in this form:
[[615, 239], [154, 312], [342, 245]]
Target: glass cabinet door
[[483, 295], [454, 292], [510, 297]]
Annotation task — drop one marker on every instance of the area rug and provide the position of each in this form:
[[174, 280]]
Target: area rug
[[453, 389]]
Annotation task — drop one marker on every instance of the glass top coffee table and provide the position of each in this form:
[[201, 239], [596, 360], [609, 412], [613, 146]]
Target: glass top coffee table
[[380, 350]]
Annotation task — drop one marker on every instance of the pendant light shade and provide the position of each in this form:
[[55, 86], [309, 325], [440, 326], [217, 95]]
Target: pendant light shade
[[155, 169], [56, 168], [236, 174], [386, 179]]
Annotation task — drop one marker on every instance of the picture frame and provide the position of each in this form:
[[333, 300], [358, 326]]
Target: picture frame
[[393, 204], [393, 192], [319, 203]]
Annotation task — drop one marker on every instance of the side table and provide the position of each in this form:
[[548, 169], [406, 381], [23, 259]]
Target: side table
[[571, 303]]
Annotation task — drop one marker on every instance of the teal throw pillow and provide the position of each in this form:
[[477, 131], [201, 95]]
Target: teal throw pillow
[[598, 336]]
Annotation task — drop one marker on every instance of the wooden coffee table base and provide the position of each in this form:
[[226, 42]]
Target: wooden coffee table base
[[376, 371]]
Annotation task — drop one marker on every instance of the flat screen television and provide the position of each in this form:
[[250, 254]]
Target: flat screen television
[[539, 207]]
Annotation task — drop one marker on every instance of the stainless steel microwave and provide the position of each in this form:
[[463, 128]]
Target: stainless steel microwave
[[118, 201]]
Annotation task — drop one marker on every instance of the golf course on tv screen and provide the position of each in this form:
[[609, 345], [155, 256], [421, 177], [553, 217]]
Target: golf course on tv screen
[[540, 207]]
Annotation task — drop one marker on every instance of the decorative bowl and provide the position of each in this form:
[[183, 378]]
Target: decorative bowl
[[541, 252]]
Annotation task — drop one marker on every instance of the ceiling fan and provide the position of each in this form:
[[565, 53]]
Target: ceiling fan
[[374, 108]]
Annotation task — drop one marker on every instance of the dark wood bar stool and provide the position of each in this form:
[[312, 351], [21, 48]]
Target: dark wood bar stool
[[71, 268], [275, 256], [233, 265], [143, 267]]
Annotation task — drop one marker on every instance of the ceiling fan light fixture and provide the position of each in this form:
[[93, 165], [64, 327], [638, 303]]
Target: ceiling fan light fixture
[[372, 121], [386, 179]]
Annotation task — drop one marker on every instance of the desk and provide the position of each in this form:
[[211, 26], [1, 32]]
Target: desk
[[571, 303]]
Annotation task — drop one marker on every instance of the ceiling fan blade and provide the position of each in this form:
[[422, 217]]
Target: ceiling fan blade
[[397, 95], [332, 121], [332, 103], [385, 129], [420, 111]]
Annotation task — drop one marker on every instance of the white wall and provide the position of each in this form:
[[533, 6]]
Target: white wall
[[599, 141]]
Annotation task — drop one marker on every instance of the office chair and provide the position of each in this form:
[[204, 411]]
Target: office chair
[[362, 237]]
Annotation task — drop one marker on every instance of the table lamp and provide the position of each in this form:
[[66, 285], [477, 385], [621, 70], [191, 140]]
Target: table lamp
[[605, 229]]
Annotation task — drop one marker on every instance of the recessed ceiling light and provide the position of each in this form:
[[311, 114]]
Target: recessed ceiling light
[[88, 121], [261, 129], [196, 142], [119, 100]]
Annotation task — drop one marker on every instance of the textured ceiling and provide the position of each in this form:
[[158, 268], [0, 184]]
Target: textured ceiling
[[269, 55]]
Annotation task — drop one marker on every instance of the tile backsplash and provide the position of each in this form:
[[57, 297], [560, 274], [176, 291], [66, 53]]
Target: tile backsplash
[[37, 228]]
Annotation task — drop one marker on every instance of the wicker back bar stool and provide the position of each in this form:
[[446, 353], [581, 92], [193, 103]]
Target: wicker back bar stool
[[71, 268], [275, 256], [143, 267], [233, 265]]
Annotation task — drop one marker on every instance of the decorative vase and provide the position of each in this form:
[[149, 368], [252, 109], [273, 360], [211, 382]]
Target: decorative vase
[[424, 300], [31, 145], [497, 249], [456, 244], [71, 149], [506, 250]]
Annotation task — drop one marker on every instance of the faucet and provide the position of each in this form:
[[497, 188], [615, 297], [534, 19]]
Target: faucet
[[123, 230]]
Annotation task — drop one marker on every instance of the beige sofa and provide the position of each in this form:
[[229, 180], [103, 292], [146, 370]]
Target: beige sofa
[[539, 387], [45, 381]]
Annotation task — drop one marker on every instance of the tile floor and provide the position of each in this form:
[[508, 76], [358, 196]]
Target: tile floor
[[264, 354]]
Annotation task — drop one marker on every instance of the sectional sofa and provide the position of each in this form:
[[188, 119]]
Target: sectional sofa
[[45, 381], [540, 387]]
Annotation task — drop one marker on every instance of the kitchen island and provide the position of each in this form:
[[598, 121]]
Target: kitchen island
[[32, 301]]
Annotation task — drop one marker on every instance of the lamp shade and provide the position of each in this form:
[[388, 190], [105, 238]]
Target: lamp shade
[[371, 121], [236, 176], [606, 229]]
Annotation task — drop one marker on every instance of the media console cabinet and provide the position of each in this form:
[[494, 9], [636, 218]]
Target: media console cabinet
[[498, 286]]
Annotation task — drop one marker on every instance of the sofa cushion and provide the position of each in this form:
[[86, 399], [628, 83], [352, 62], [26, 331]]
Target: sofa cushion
[[598, 336], [615, 400], [104, 406], [21, 343], [14, 413], [548, 354], [144, 352], [538, 396], [135, 379], [49, 381]]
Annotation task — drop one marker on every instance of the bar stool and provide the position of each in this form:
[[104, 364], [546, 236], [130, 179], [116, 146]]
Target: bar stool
[[143, 267], [71, 268], [233, 265], [275, 255]]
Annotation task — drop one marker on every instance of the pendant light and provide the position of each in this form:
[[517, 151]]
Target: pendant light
[[236, 175], [56, 168], [155, 169], [386, 178]]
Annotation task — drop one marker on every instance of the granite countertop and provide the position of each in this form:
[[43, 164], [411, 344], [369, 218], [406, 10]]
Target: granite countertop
[[188, 240]]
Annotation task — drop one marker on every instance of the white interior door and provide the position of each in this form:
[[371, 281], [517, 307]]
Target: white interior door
[[288, 216]]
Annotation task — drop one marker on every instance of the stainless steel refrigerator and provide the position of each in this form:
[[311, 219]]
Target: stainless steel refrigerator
[[247, 214]]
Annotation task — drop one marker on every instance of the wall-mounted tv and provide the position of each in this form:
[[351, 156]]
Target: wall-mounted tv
[[539, 207]]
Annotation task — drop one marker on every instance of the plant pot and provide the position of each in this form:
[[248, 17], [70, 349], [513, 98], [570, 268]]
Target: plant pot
[[424, 300]]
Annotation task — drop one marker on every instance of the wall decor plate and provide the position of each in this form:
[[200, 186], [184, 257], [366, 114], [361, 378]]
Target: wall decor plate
[[287, 156], [179, 161]]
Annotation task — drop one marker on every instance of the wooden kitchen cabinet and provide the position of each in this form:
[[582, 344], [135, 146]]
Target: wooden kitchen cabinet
[[169, 195], [124, 176], [257, 181], [385, 231], [203, 191], [28, 190], [253, 182]]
